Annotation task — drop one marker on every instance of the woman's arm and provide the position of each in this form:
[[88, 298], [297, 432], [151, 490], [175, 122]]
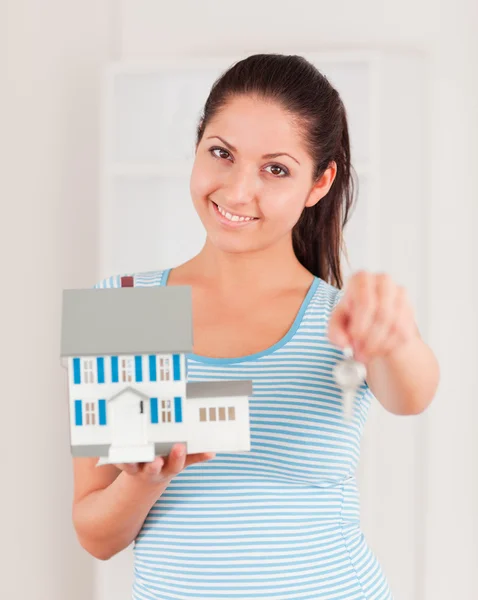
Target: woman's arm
[[107, 518], [111, 502], [405, 381]]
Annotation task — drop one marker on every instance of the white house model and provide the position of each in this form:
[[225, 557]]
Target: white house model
[[125, 354]]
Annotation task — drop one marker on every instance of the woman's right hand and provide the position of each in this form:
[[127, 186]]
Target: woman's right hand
[[163, 469]]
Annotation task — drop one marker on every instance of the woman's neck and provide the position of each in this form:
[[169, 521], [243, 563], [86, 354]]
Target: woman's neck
[[268, 269]]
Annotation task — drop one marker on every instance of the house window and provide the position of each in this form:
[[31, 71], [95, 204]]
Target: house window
[[127, 369], [90, 413], [164, 368], [166, 416], [217, 414], [88, 370]]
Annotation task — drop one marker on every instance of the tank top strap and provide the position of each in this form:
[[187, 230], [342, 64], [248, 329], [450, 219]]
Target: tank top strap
[[127, 281]]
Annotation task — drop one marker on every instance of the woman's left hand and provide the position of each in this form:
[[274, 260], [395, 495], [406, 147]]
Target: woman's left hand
[[374, 317]]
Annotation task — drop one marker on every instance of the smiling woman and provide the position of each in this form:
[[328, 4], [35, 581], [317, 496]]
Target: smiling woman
[[272, 185], [243, 177]]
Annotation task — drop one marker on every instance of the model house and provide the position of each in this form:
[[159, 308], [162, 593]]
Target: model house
[[125, 350]]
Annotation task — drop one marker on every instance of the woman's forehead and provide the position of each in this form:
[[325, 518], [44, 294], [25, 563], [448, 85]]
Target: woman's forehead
[[253, 123]]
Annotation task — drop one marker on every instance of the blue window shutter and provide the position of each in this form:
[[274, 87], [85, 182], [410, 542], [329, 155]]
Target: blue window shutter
[[102, 411], [152, 368], [76, 370], [114, 369], [78, 412], [178, 413], [138, 366], [100, 366], [176, 367], [153, 404]]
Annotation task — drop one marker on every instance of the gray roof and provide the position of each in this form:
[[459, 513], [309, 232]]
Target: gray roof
[[129, 320], [212, 389]]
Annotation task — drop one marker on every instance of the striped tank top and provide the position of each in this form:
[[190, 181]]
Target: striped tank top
[[280, 522]]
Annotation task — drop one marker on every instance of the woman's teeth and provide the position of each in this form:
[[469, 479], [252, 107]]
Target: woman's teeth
[[231, 217]]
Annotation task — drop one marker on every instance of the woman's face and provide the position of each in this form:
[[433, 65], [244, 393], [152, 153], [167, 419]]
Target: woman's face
[[252, 176]]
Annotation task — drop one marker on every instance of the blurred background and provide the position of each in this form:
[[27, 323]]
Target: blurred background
[[99, 101]]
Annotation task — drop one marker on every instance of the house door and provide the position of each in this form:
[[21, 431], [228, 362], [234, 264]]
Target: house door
[[128, 420]]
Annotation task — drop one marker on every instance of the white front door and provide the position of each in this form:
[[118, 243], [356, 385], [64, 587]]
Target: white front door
[[128, 420]]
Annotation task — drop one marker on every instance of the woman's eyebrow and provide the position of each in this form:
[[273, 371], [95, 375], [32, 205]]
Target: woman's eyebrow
[[273, 155]]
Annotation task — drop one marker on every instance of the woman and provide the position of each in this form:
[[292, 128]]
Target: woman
[[272, 185]]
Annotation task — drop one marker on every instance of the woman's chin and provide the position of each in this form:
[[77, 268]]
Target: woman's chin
[[227, 245]]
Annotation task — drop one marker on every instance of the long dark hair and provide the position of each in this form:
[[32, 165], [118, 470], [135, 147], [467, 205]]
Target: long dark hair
[[304, 92]]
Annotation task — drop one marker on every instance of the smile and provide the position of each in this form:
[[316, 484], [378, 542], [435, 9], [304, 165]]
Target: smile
[[229, 218]]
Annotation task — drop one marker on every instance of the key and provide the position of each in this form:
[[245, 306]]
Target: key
[[349, 375]]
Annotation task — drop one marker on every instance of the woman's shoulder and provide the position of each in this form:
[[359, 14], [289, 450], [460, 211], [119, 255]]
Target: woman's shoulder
[[325, 298], [140, 279]]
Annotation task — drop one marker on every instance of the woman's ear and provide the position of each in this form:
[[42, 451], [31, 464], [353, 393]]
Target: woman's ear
[[322, 185]]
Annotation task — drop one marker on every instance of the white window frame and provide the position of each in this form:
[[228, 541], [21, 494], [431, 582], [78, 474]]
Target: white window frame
[[88, 370], [127, 369], [164, 368], [166, 409], [90, 412], [214, 410]]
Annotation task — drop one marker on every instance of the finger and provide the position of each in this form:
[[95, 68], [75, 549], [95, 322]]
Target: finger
[[362, 310], [175, 461], [130, 468], [191, 459], [383, 320], [154, 468]]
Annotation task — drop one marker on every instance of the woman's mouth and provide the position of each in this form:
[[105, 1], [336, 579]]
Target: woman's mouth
[[231, 220]]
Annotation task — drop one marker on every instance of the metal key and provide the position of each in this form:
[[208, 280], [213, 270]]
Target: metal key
[[349, 375]]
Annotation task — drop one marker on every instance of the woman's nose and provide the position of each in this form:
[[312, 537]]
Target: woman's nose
[[239, 188]]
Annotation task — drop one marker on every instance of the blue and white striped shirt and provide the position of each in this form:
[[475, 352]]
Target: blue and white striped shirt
[[281, 521]]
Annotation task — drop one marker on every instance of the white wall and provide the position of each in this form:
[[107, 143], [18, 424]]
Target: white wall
[[49, 192], [48, 205]]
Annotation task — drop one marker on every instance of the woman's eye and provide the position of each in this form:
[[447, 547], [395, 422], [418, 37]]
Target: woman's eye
[[277, 170], [220, 151]]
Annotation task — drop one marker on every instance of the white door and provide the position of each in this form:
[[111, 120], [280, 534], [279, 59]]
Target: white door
[[128, 420]]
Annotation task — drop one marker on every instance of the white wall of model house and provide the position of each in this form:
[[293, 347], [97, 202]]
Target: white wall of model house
[[96, 384], [94, 380], [216, 424]]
